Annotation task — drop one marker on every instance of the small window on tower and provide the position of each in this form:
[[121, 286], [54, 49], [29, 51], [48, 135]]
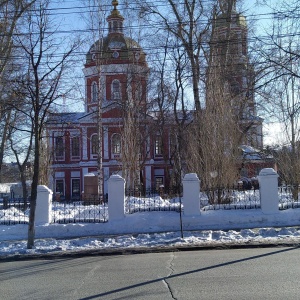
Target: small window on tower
[[94, 92], [116, 90], [94, 145], [115, 26]]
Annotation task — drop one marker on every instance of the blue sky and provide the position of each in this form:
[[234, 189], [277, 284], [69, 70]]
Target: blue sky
[[70, 16]]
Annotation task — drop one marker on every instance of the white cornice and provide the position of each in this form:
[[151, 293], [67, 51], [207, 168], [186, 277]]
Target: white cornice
[[114, 69]]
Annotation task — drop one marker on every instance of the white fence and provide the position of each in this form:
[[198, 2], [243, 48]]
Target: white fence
[[193, 217], [268, 182]]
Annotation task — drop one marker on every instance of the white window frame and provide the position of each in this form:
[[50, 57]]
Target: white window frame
[[72, 196], [116, 95], [64, 186], [76, 157], [59, 157], [158, 139], [113, 152], [93, 155], [94, 92]]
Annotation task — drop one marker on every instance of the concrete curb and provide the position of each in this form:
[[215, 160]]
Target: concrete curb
[[143, 250]]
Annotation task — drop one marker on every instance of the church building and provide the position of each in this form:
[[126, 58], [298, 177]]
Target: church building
[[104, 135], [115, 74]]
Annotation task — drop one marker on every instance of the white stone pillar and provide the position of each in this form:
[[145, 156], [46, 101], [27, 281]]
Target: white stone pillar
[[43, 212], [191, 190], [268, 188], [116, 198]]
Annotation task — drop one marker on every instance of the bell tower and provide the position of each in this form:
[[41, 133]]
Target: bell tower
[[229, 52], [116, 69], [227, 5]]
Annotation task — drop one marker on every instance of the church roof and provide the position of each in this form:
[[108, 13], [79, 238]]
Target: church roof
[[65, 118], [115, 47], [125, 47]]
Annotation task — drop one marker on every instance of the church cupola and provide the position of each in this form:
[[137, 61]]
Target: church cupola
[[115, 20], [227, 6]]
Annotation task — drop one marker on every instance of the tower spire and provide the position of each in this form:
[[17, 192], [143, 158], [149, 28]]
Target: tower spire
[[115, 3], [227, 6], [115, 20]]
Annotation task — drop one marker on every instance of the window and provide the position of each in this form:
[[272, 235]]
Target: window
[[94, 92], [116, 144], [115, 26], [75, 146], [59, 147], [75, 188], [159, 182], [59, 187], [158, 145], [138, 93], [116, 90], [94, 144]]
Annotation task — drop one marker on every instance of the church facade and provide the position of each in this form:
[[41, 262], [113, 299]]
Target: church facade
[[116, 74]]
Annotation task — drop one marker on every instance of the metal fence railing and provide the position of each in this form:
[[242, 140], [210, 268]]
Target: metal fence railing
[[14, 211], [153, 199], [289, 196], [87, 211], [229, 198]]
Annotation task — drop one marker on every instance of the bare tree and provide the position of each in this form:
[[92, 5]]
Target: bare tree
[[10, 13], [189, 23], [41, 84], [96, 21], [23, 154], [280, 84], [215, 138]]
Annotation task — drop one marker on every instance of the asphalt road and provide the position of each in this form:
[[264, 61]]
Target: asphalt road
[[257, 273]]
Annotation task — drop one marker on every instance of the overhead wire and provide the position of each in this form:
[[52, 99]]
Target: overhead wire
[[157, 25]]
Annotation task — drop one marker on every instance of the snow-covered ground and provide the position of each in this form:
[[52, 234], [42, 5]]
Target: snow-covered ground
[[155, 229], [205, 238], [91, 240]]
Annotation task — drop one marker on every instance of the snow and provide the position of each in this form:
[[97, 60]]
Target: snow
[[144, 230], [241, 222], [205, 238]]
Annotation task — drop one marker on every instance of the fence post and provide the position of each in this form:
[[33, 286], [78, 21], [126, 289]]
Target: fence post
[[268, 188], [43, 212], [116, 198], [191, 190]]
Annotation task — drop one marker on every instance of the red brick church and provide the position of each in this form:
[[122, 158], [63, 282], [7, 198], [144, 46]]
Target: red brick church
[[116, 74]]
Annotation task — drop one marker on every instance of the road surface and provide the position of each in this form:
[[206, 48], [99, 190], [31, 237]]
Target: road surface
[[259, 273]]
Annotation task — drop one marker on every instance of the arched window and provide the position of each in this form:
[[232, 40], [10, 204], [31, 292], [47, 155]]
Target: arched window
[[116, 90], [94, 144], [75, 146], [94, 92], [116, 144], [158, 145], [59, 148], [138, 93]]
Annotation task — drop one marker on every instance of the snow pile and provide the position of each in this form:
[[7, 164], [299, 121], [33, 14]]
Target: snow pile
[[156, 224], [169, 239], [14, 215], [135, 204], [77, 211]]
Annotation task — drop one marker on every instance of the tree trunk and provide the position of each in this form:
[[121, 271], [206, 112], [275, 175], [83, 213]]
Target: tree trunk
[[34, 185]]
